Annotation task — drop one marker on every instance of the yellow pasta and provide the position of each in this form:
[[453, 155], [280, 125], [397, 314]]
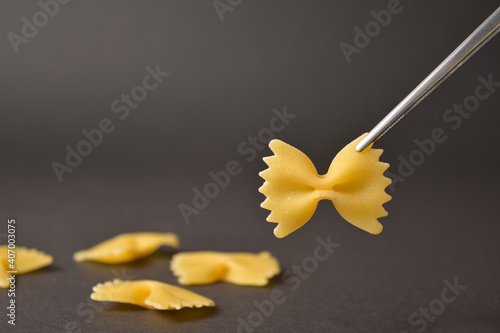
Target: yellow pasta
[[354, 183], [206, 267], [127, 247], [149, 294], [26, 260]]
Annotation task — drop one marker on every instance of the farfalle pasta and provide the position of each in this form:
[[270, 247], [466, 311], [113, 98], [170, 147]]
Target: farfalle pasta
[[127, 247], [355, 183], [204, 267], [149, 294], [26, 260]]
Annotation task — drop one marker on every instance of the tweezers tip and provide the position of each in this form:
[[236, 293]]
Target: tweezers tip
[[362, 145]]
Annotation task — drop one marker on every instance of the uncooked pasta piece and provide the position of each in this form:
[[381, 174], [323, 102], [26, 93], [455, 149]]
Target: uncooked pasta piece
[[127, 247], [355, 183], [206, 267], [149, 294], [26, 260]]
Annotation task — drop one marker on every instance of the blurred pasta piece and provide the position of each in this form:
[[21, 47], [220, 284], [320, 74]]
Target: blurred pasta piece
[[206, 267], [26, 260], [149, 294], [127, 247]]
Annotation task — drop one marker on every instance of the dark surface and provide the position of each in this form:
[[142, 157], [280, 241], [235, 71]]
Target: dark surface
[[225, 78]]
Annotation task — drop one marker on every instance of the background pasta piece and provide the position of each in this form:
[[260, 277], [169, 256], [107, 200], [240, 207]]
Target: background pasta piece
[[127, 247], [206, 267], [355, 183], [149, 294], [26, 260]]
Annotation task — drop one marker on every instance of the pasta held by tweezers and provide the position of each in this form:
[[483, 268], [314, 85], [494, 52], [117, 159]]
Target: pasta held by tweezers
[[355, 183]]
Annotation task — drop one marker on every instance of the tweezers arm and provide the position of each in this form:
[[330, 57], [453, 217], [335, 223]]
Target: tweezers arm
[[487, 30]]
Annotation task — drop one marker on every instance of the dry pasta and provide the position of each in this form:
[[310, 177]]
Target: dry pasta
[[26, 260], [149, 294], [206, 267], [127, 247], [355, 183]]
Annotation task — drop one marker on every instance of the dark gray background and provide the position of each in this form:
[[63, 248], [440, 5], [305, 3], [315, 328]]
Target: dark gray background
[[225, 78]]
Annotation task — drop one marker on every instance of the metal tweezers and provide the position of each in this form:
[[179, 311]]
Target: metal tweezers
[[487, 30]]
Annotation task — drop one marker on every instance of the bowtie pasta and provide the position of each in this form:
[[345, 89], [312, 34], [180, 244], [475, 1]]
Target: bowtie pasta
[[206, 267], [26, 260], [149, 294], [355, 183], [127, 247]]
